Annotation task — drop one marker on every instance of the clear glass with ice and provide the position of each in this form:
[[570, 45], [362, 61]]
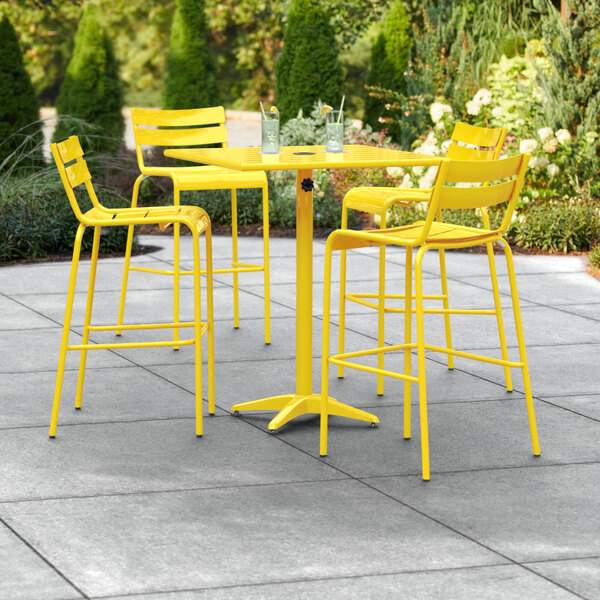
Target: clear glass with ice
[[270, 132], [334, 131]]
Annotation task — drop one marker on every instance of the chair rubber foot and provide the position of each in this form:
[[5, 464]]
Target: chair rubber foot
[[198, 435], [273, 431], [537, 455], [118, 334], [267, 343], [426, 480], [78, 408], [236, 326], [380, 395], [323, 455], [211, 414], [407, 438], [340, 377], [373, 425], [175, 349], [509, 391]]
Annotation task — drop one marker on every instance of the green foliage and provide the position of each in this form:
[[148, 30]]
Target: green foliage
[[398, 41], [92, 90], [594, 256], [573, 87], [558, 225], [37, 219], [20, 128], [191, 80], [217, 203], [308, 68]]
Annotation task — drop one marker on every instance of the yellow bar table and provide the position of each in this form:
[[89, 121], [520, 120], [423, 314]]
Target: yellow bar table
[[303, 159]]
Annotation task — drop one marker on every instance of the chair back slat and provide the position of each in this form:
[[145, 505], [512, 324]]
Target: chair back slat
[[181, 137], [483, 137], [195, 117], [78, 173], [480, 197], [70, 149], [479, 171]]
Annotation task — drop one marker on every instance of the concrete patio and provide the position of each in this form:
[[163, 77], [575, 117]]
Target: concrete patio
[[127, 503]]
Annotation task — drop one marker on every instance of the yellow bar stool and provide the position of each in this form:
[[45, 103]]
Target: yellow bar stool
[[73, 170], [188, 128], [434, 233], [467, 143]]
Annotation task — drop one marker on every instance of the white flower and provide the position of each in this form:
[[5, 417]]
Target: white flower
[[406, 182], [563, 136], [590, 137], [538, 162], [418, 170], [473, 107], [437, 111], [497, 112], [545, 133], [520, 122], [377, 219], [483, 96], [395, 171], [440, 125], [528, 146], [429, 146], [445, 146], [552, 170], [428, 179]]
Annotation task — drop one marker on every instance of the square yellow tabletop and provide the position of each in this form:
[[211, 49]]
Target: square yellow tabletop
[[303, 157]]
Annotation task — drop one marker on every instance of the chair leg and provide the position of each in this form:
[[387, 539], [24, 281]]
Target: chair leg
[[197, 334], [499, 319], [446, 305], [265, 208], [128, 245], [421, 358], [342, 316], [407, 340], [234, 242], [176, 273], [522, 353], [325, 349], [381, 308], [88, 316], [66, 326], [210, 322]]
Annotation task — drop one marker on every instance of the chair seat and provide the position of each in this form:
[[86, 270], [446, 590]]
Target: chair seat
[[209, 177], [439, 234], [378, 199], [154, 215]]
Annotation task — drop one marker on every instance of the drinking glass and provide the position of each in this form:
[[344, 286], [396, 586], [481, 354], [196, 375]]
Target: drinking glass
[[270, 132], [334, 131]]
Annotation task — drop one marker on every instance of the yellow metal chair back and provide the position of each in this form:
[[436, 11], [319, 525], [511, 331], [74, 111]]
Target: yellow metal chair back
[[470, 142], [176, 128]]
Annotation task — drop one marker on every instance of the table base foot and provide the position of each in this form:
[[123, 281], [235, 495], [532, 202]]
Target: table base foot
[[291, 406]]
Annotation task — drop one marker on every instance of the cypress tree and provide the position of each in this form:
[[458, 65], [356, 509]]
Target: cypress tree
[[19, 111], [398, 41], [573, 87], [92, 89], [308, 68], [191, 80]]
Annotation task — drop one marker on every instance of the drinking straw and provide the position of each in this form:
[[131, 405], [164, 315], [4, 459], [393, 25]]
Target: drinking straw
[[263, 110], [341, 108]]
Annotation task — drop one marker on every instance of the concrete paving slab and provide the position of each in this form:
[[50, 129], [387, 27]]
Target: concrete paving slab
[[504, 582], [24, 575], [582, 576], [121, 458], [536, 514], [237, 536], [490, 434], [590, 311], [549, 289], [147, 306], [554, 370], [117, 394], [14, 315], [38, 349]]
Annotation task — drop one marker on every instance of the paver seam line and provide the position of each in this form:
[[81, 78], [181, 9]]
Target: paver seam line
[[310, 580], [545, 560], [228, 413], [43, 558]]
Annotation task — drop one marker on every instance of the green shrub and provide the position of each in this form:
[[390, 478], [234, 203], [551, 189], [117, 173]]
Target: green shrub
[[92, 90], [20, 128], [594, 256], [308, 68], [191, 80], [37, 219], [558, 225], [217, 203]]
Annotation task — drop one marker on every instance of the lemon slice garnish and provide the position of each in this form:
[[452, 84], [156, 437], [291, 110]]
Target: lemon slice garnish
[[274, 109], [326, 108]]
